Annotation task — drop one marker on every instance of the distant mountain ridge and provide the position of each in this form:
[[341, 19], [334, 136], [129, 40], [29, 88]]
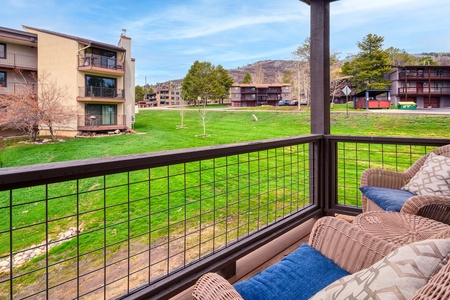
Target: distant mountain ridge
[[276, 68], [271, 68]]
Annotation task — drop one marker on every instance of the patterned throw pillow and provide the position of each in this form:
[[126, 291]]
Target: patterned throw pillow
[[433, 178], [398, 276]]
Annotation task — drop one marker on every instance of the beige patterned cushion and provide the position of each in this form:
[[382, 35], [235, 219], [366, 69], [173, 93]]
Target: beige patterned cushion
[[433, 178], [398, 276]]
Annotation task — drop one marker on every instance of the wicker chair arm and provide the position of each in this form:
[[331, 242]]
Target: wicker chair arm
[[212, 286], [346, 245], [432, 207], [384, 178]]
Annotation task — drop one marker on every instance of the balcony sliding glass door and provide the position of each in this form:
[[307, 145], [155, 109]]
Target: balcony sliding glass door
[[101, 114]]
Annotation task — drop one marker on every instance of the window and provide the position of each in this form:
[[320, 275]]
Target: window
[[2, 79], [438, 86], [2, 50]]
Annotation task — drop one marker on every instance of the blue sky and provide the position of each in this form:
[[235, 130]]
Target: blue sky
[[169, 35]]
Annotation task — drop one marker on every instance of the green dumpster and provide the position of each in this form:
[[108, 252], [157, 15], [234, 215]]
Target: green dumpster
[[407, 105]]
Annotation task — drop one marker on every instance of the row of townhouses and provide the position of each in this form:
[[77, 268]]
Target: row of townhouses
[[99, 77], [427, 86]]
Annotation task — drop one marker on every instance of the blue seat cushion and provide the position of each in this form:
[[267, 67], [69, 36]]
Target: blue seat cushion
[[299, 275], [387, 199]]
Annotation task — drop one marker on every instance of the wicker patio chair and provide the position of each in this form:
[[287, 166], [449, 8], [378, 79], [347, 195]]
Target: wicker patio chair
[[348, 247], [433, 207], [335, 238]]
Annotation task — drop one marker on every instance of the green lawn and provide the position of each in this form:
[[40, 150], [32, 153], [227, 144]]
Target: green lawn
[[158, 131], [127, 205]]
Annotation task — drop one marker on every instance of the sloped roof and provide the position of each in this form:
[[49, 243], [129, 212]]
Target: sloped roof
[[17, 34], [80, 40], [372, 93]]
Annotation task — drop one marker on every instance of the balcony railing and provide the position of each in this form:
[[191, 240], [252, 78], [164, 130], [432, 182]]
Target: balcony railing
[[100, 92], [425, 75], [93, 120], [12, 88], [148, 225], [19, 61], [444, 90], [99, 61]]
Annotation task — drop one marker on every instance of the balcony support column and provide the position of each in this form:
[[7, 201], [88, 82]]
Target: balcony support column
[[320, 66], [320, 101]]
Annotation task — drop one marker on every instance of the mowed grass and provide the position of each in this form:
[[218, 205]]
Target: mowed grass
[[157, 131], [143, 205]]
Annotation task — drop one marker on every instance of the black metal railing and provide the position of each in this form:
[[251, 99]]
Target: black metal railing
[[148, 225], [99, 61], [100, 92]]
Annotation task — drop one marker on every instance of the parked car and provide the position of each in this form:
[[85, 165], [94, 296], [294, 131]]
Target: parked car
[[284, 103], [294, 103]]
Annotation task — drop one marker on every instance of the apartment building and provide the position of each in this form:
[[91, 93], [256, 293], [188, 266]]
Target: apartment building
[[427, 86], [164, 95], [99, 77], [18, 51], [250, 95]]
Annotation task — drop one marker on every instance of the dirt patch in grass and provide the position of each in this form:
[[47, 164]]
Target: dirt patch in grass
[[120, 273]]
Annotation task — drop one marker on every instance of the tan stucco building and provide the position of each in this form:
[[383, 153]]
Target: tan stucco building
[[98, 77]]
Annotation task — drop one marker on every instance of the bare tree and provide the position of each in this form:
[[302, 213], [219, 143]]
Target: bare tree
[[258, 77], [203, 116], [51, 102], [182, 110], [27, 109]]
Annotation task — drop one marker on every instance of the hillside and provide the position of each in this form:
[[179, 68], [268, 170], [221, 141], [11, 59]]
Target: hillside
[[271, 69], [276, 68]]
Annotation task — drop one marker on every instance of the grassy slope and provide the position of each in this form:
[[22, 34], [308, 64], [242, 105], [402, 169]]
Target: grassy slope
[[159, 132]]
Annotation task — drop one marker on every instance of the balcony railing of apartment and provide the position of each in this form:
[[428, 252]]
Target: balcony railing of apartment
[[92, 120], [425, 75], [147, 225], [441, 90], [100, 92], [19, 61], [12, 88], [99, 61]]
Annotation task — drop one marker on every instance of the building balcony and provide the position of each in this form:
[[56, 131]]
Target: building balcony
[[100, 94], [424, 91], [148, 225], [425, 76], [100, 65], [92, 122], [19, 61], [12, 88]]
